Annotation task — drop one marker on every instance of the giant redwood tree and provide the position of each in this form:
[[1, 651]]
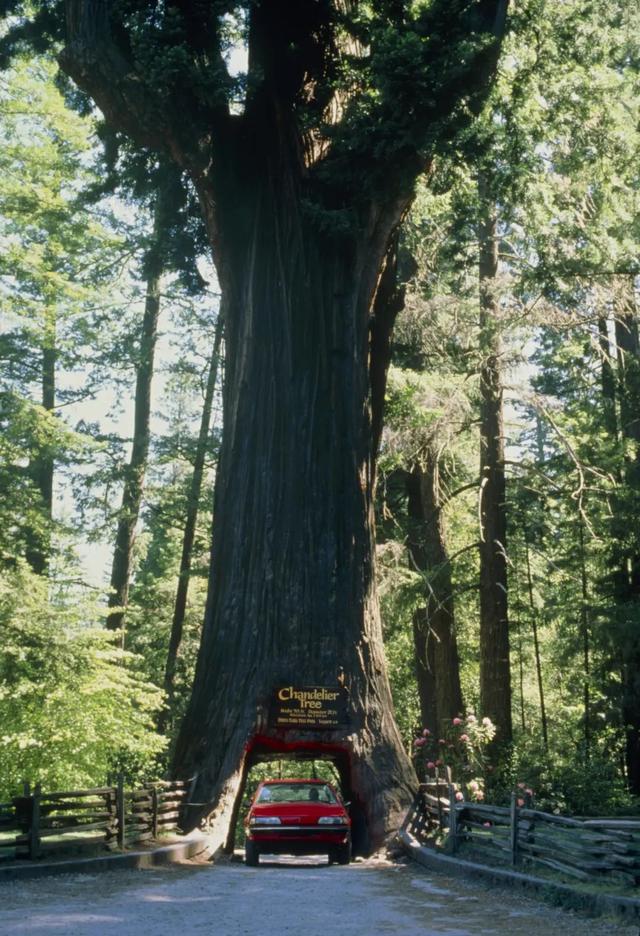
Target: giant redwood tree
[[303, 169]]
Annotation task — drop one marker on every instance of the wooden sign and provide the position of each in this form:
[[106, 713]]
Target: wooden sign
[[309, 707]]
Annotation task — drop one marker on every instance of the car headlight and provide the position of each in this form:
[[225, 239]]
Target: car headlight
[[265, 820], [331, 820]]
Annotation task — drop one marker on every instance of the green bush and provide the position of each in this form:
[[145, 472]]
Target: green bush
[[73, 708]]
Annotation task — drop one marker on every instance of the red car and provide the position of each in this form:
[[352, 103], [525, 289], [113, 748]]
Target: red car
[[297, 817]]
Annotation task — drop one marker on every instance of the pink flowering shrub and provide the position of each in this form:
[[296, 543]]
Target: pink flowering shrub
[[463, 750], [524, 795]]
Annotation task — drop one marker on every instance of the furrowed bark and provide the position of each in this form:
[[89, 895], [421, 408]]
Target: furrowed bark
[[292, 597], [388, 303]]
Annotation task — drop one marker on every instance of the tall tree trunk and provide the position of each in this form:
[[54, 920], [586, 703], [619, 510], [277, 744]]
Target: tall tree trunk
[[189, 532], [423, 645], [628, 354], [495, 673], [536, 649], [628, 579], [607, 378], [135, 471], [434, 626], [41, 469], [518, 631], [586, 642], [292, 595]]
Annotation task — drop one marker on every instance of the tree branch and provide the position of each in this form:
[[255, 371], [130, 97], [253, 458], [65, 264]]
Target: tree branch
[[97, 64], [99, 57]]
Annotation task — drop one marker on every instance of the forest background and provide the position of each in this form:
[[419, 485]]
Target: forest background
[[512, 418]]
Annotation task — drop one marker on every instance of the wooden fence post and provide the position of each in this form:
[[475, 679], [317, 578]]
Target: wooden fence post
[[453, 821], [440, 816], [120, 810], [154, 811], [34, 823], [513, 827]]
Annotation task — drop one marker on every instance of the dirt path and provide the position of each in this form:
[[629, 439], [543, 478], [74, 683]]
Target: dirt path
[[371, 898]]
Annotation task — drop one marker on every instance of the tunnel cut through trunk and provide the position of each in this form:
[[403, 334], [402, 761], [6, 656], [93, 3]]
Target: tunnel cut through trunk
[[267, 749]]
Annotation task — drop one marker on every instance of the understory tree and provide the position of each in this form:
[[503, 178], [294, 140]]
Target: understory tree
[[133, 486], [54, 274], [73, 707], [303, 169]]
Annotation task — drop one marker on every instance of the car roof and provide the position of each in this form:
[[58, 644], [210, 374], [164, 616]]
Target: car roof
[[296, 780]]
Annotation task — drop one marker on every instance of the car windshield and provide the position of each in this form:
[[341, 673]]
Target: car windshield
[[296, 793]]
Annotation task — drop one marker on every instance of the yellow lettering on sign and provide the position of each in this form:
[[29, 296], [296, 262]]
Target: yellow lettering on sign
[[313, 699]]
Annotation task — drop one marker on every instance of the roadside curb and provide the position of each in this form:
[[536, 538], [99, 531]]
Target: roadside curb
[[177, 851], [628, 908]]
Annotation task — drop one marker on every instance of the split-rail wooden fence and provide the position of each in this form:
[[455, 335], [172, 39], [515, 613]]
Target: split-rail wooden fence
[[40, 824], [586, 849]]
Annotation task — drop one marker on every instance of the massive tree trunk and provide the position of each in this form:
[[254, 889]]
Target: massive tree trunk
[[189, 533], [495, 672], [301, 193], [434, 626], [122, 564], [292, 597]]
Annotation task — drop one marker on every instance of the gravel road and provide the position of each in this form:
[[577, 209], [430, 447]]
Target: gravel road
[[283, 898]]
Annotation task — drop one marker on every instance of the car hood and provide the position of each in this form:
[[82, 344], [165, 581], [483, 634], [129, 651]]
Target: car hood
[[294, 813]]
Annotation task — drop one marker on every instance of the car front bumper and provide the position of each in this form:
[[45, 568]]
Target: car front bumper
[[299, 840]]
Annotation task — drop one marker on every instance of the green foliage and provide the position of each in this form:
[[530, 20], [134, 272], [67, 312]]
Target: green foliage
[[564, 782], [73, 707], [26, 431], [557, 144], [57, 275], [152, 600]]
